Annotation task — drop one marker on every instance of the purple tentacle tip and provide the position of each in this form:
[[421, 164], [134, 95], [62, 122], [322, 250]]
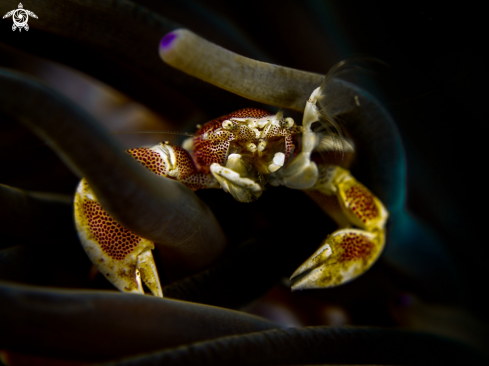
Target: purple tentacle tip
[[167, 40]]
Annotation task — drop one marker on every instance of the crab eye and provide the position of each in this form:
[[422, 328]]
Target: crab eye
[[227, 124], [288, 123]]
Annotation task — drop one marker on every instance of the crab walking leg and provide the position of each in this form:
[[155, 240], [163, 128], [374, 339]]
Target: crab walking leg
[[348, 252], [123, 257]]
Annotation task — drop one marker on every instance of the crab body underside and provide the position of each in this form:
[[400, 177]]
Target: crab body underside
[[240, 153]]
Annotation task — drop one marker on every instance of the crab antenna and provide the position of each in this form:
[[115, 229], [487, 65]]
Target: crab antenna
[[156, 131], [259, 81]]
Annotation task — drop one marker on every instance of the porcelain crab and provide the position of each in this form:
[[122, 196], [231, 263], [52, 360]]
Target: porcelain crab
[[241, 152]]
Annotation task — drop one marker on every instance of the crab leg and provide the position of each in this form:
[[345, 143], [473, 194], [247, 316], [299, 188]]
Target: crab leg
[[348, 252], [123, 257]]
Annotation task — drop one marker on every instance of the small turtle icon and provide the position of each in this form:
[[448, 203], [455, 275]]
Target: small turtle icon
[[20, 17]]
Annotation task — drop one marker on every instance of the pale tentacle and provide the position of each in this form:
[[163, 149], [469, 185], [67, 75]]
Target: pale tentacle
[[259, 81]]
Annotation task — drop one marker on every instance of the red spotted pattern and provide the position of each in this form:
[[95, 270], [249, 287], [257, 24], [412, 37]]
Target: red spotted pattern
[[249, 113], [186, 166], [242, 113], [289, 146], [287, 133], [245, 133], [361, 201], [276, 131], [150, 159], [356, 246], [199, 181], [114, 240], [213, 149]]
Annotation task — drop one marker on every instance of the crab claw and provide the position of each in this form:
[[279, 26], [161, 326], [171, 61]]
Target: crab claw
[[124, 258], [344, 255]]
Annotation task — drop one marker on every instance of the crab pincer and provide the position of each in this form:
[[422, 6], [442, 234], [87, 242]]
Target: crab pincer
[[124, 258], [352, 249]]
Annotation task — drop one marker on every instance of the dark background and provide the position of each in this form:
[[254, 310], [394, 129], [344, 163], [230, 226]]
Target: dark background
[[435, 88]]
